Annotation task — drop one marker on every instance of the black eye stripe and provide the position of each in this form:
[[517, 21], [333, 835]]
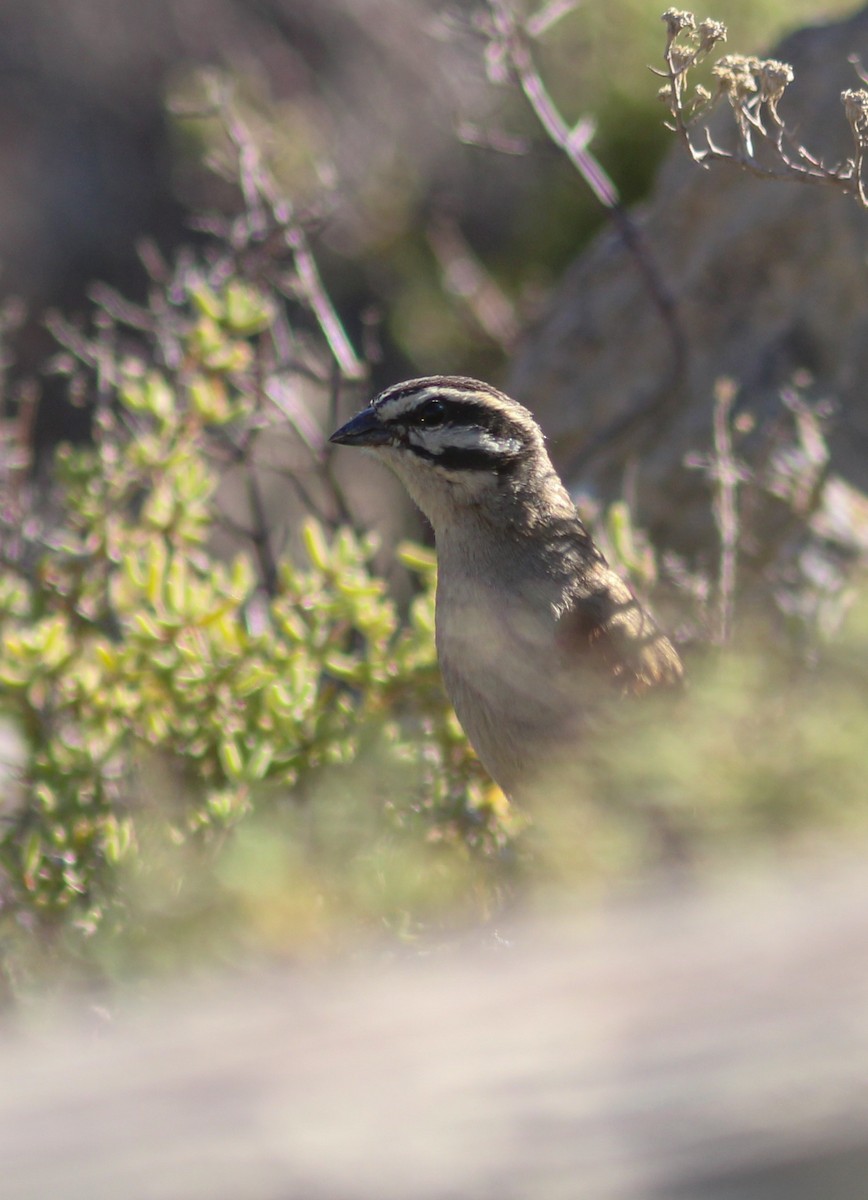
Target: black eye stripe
[[456, 413], [460, 458]]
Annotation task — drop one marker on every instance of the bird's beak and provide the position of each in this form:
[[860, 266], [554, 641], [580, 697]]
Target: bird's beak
[[365, 429]]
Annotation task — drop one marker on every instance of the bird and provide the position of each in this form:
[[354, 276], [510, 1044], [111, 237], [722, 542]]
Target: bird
[[536, 634]]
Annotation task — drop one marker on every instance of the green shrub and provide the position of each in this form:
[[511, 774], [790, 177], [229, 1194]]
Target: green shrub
[[158, 694]]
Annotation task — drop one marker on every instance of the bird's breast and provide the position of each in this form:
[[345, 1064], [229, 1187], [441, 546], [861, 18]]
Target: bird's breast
[[505, 675]]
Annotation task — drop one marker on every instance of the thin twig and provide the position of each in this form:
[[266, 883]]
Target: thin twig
[[727, 477], [310, 285], [574, 142], [343, 509], [465, 277], [553, 11], [259, 534]]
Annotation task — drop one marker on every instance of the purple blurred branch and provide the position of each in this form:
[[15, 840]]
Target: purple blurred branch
[[512, 43]]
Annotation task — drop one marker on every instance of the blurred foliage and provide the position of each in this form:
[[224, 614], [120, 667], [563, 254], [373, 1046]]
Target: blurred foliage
[[156, 696], [761, 759]]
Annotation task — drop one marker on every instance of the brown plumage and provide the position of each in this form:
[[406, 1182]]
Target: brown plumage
[[535, 631]]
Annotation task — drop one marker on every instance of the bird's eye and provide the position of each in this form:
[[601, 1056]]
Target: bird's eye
[[431, 414]]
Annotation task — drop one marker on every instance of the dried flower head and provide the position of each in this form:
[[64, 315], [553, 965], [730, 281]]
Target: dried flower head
[[773, 79], [736, 75], [856, 110], [710, 33], [678, 21], [681, 58]]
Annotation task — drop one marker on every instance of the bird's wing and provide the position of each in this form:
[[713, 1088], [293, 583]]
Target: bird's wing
[[606, 629]]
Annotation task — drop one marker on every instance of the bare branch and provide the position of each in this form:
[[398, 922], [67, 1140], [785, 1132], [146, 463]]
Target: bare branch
[[311, 287], [466, 278], [511, 44], [541, 21], [726, 474]]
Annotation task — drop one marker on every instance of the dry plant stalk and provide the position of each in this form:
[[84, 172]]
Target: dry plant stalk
[[726, 475]]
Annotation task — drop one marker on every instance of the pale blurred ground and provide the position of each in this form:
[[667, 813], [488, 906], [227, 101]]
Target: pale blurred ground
[[684, 1046]]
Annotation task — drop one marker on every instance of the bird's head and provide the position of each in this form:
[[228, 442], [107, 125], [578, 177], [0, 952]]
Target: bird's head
[[453, 442]]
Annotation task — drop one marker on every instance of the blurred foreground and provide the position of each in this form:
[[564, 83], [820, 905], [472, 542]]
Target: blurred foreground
[[704, 1046]]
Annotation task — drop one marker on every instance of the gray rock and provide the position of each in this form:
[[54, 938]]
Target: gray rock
[[770, 280]]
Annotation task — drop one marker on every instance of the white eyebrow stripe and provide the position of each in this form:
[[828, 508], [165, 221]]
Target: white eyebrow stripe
[[392, 408], [464, 437]]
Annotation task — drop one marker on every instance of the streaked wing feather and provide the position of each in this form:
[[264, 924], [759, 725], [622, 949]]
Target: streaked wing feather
[[609, 631]]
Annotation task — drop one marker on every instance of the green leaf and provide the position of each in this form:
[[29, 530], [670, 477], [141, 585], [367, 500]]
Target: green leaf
[[159, 397], [208, 398], [230, 759], [416, 557], [117, 838], [145, 624], [155, 563], [259, 762], [247, 310], [315, 544], [228, 805], [207, 301], [178, 594], [31, 858]]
